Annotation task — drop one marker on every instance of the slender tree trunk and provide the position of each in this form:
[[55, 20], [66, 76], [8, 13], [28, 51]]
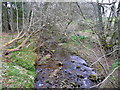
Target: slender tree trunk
[[17, 18], [11, 19], [118, 18], [100, 27], [102, 37], [8, 27], [23, 17]]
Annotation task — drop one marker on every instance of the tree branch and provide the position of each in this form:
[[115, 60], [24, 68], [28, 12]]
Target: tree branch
[[98, 85], [7, 51]]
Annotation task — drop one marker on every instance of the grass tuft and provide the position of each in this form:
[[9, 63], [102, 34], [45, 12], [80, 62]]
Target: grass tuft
[[20, 72]]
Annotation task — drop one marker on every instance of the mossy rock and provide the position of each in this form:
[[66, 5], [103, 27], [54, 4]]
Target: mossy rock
[[93, 77], [78, 66], [41, 62], [47, 81], [73, 84], [59, 63]]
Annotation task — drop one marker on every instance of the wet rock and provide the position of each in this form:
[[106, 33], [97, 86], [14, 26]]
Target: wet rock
[[86, 83], [38, 84], [80, 76], [71, 72], [39, 70], [78, 60], [73, 84], [59, 64], [73, 61], [78, 67], [47, 81], [93, 76]]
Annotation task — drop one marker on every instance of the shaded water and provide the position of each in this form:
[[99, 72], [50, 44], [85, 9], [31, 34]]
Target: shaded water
[[60, 69], [70, 72]]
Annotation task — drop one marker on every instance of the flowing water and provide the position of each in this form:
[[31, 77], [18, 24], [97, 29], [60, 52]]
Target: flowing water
[[62, 70]]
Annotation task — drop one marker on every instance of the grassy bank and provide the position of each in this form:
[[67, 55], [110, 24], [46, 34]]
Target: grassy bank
[[18, 69]]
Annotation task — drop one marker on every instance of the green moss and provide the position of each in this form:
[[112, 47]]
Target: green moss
[[19, 75], [93, 76], [74, 37], [24, 59], [78, 66], [47, 81], [21, 69], [87, 30]]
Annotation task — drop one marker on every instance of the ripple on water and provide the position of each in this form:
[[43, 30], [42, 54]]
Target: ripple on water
[[86, 83], [78, 60], [73, 69], [38, 84]]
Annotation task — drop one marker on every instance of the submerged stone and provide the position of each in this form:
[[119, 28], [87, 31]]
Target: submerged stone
[[72, 71], [78, 66]]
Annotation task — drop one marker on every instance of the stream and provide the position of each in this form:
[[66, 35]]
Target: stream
[[63, 71]]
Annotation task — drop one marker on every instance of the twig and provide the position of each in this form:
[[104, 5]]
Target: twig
[[29, 44], [105, 78], [103, 54], [15, 39], [38, 46], [80, 10], [102, 57], [7, 51]]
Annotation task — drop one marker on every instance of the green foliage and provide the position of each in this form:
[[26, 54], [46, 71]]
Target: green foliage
[[13, 72], [17, 76], [47, 81], [116, 63], [24, 59], [20, 72], [76, 38]]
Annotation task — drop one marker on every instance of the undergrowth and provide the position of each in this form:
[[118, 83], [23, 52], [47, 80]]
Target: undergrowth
[[116, 63], [19, 72]]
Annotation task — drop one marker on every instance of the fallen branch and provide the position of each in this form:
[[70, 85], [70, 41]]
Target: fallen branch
[[38, 46], [102, 57], [29, 44], [15, 39], [7, 51], [105, 78]]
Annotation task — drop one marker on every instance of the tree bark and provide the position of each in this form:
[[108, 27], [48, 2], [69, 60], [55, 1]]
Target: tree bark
[[7, 51], [118, 18], [8, 27]]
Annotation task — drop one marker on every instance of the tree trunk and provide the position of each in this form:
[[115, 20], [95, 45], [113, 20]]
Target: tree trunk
[[118, 18], [102, 38], [11, 18], [7, 19]]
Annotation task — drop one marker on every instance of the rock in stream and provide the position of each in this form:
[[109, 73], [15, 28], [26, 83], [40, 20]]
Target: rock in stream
[[70, 72]]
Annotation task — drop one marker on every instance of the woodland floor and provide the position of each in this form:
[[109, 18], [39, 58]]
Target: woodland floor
[[18, 69]]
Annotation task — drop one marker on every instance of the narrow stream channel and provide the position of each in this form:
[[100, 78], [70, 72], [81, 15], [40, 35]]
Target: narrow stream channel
[[63, 71]]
